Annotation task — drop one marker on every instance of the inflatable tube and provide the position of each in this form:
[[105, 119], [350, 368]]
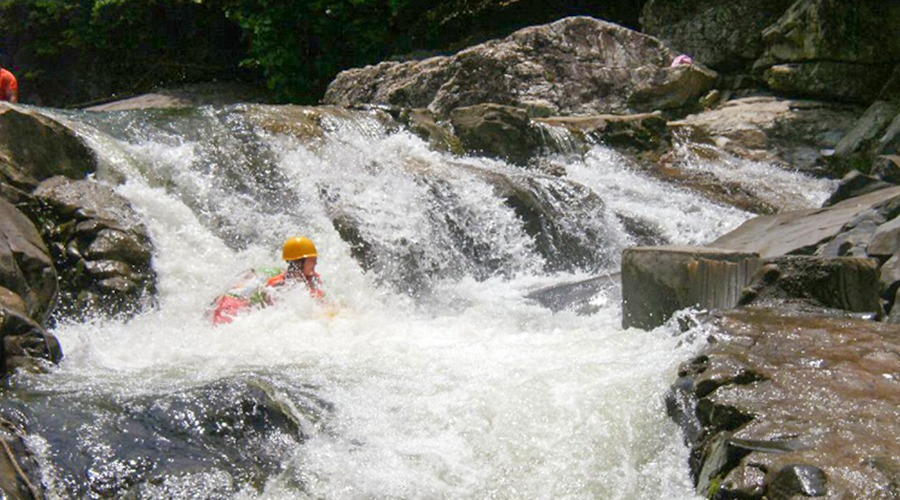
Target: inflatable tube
[[248, 291]]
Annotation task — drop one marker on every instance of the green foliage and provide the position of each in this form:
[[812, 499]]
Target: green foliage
[[300, 45], [66, 51], [72, 51]]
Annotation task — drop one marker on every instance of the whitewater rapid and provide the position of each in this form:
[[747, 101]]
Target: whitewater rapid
[[467, 389]]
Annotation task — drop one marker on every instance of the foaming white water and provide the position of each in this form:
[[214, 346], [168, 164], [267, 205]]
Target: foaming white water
[[487, 396], [682, 217], [781, 188]]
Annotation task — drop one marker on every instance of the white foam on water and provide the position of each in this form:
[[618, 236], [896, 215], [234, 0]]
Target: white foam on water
[[492, 396]]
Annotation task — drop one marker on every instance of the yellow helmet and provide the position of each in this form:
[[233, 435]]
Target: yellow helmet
[[297, 248]]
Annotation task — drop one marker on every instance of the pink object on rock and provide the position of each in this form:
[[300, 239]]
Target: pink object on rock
[[682, 59]]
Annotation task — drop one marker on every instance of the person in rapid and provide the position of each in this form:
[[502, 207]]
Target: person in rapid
[[254, 287], [301, 256]]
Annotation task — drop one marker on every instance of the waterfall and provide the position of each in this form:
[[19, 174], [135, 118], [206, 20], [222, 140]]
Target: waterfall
[[432, 375]]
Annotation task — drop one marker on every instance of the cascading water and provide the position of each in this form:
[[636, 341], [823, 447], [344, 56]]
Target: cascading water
[[431, 375]]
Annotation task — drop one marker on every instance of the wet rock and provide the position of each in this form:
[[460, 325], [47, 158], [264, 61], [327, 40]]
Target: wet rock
[[846, 283], [20, 472], [34, 147], [546, 206], [868, 138], [725, 35], [783, 131], [811, 421], [425, 124], [576, 65], [26, 345], [101, 247], [855, 184], [642, 134], [804, 231], [26, 268], [832, 49], [583, 297], [657, 281], [795, 480], [496, 131], [642, 232], [236, 432], [887, 168]]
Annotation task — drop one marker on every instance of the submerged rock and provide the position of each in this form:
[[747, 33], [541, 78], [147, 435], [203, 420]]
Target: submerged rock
[[217, 439]]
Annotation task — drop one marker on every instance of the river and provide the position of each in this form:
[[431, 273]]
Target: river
[[431, 374]]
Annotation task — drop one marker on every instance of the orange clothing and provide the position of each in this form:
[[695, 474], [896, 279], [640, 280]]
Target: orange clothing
[[9, 87], [313, 283]]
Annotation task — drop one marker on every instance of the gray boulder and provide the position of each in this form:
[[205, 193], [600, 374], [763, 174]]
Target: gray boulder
[[874, 133], [855, 184], [832, 49], [102, 249], [658, 281], [577, 65], [723, 34]]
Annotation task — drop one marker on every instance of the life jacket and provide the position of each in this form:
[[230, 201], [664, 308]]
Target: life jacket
[[313, 283]]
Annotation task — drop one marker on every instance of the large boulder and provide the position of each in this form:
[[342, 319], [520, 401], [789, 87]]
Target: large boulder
[[34, 147], [832, 49], [784, 131], [781, 404], [102, 249], [723, 34], [658, 281], [577, 65]]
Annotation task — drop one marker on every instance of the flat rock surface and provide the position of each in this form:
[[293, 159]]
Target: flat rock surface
[[819, 391], [797, 232]]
